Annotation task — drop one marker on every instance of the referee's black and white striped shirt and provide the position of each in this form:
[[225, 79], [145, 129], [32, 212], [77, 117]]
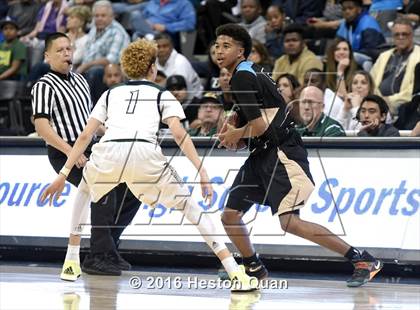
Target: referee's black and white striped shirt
[[65, 100]]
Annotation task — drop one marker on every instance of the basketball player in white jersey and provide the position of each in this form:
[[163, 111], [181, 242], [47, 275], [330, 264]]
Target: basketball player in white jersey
[[128, 152]]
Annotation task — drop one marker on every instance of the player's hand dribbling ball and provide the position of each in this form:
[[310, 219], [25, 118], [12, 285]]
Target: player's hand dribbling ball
[[231, 122]]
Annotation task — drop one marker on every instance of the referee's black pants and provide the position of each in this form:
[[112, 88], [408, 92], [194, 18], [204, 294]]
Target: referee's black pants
[[109, 216]]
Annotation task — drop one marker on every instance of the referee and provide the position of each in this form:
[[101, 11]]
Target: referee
[[61, 104]]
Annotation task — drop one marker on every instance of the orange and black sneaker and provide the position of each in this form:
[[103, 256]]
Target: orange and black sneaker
[[365, 268]]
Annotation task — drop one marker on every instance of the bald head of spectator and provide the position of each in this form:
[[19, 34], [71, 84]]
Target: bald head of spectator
[[403, 34], [311, 105], [112, 75], [103, 15]]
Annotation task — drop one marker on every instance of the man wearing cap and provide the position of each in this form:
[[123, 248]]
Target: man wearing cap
[[210, 115], [13, 63]]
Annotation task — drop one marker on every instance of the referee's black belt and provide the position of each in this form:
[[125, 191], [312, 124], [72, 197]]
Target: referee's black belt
[[128, 140]]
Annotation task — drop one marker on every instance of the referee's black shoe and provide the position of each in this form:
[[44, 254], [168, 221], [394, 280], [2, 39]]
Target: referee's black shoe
[[100, 264], [118, 261]]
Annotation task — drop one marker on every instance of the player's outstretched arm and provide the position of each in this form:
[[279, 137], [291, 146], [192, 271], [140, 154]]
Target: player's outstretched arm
[[183, 139], [56, 188]]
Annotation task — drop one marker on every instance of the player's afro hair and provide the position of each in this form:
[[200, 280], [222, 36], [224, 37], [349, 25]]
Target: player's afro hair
[[137, 58]]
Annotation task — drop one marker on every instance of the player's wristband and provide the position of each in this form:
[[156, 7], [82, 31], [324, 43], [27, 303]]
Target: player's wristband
[[65, 171]]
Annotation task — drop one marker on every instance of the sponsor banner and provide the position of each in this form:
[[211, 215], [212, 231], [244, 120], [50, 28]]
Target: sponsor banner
[[369, 201]]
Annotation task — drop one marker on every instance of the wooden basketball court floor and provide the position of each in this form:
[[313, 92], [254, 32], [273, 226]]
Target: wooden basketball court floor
[[35, 287]]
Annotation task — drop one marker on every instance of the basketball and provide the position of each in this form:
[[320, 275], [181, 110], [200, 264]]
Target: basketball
[[234, 120]]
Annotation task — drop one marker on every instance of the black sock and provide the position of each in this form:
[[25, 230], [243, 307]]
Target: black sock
[[250, 259], [353, 254]]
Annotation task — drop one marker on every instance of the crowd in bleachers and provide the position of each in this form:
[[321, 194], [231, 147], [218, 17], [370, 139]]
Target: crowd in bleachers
[[348, 65]]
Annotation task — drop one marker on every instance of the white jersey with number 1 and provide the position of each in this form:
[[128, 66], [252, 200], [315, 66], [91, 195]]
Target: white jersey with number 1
[[131, 110], [128, 152]]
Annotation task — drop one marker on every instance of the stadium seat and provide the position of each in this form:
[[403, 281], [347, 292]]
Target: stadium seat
[[10, 103]]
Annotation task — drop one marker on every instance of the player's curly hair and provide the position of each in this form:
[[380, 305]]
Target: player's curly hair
[[239, 34], [137, 58]]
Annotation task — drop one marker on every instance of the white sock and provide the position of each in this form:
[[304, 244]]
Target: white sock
[[73, 253], [230, 264]]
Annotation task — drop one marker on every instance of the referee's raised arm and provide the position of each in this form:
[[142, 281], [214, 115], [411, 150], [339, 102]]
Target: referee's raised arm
[[61, 104]]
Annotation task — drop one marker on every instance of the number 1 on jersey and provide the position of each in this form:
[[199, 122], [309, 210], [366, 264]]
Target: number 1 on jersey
[[133, 102]]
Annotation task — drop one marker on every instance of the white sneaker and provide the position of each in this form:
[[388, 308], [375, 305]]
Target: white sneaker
[[71, 271]]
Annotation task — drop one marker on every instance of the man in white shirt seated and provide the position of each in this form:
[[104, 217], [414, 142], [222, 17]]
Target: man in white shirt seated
[[171, 62]]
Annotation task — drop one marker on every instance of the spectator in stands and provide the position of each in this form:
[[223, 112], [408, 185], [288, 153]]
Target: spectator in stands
[[332, 102], [210, 15], [209, 70], [384, 12], [127, 6], [106, 40], [252, 20], [260, 56], [314, 122], [289, 88], [24, 12], [393, 72], [340, 66], [113, 75], [327, 25], [362, 31], [226, 96], [171, 16], [288, 85], [171, 62], [177, 85], [409, 113], [412, 11], [77, 19], [274, 30], [161, 78], [81, 2], [361, 86], [51, 18], [372, 114], [300, 11], [298, 58], [210, 116], [13, 62], [4, 6]]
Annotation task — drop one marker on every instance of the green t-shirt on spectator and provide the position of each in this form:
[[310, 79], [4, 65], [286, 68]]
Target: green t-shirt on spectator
[[195, 132], [13, 51], [326, 127]]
